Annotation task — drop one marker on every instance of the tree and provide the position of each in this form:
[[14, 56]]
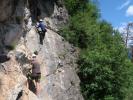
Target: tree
[[104, 69]]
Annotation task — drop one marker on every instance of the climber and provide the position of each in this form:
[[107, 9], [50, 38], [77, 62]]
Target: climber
[[41, 28], [36, 72]]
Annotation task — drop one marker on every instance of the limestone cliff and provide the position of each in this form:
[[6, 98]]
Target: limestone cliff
[[58, 58]]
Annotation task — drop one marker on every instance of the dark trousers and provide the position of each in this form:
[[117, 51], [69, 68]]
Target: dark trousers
[[41, 36]]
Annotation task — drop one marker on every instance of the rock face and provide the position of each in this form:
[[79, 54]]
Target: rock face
[[7, 10], [59, 80]]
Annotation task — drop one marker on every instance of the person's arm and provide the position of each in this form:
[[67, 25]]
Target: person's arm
[[37, 26]]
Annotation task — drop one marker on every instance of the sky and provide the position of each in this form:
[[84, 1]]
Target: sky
[[116, 12]]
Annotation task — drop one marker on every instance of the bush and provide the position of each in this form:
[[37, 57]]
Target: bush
[[104, 70]]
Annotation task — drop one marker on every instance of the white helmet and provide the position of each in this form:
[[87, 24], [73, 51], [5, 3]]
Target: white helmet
[[40, 20], [33, 55]]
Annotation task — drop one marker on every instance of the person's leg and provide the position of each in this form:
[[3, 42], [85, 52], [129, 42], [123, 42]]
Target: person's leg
[[28, 79], [40, 37], [37, 88], [41, 42], [38, 84], [43, 35]]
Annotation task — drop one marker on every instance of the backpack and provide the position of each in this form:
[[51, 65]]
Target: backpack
[[39, 29]]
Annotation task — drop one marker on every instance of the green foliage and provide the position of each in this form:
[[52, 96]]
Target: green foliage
[[74, 5], [80, 29], [104, 70]]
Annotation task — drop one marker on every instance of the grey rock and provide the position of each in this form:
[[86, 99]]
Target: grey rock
[[58, 58]]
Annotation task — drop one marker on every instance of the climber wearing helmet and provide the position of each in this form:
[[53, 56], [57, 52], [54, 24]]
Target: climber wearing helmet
[[41, 28], [36, 72]]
